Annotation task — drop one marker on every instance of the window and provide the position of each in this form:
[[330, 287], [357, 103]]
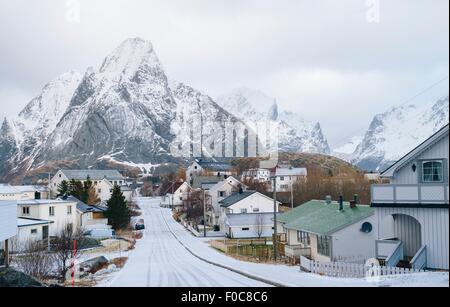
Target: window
[[281, 178], [284, 186], [245, 229], [324, 245], [243, 210], [26, 210], [221, 193], [255, 210], [33, 231], [432, 171], [69, 210], [59, 175], [51, 211], [303, 237], [99, 191], [195, 167]]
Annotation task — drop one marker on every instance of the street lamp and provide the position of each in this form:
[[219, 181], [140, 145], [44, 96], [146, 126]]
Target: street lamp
[[275, 247]]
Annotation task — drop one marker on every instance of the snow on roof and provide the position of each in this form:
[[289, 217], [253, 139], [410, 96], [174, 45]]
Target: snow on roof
[[8, 189], [31, 188], [93, 174], [291, 172], [24, 222], [43, 202]]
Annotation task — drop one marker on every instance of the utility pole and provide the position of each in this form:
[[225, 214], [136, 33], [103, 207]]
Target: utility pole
[[275, 235], [49, 196], [292, 194], [204, 213]]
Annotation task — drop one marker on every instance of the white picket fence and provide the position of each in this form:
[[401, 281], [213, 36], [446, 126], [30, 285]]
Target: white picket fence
[[351, 270]]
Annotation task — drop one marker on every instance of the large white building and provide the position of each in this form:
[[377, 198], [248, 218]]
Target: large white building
[[412, 210], [103, 180], [209, 167], [8, 227]]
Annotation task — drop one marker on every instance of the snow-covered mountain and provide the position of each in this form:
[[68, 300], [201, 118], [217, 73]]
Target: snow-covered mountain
[[21, 138], [346, 150], [397, 131], [295, 133], [126, 111]]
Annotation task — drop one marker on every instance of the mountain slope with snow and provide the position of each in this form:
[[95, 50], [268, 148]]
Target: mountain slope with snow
[[295, 133], [397, 131]]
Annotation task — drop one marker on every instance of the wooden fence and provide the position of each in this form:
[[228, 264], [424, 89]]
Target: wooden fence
[[257, 248], [351, 270]]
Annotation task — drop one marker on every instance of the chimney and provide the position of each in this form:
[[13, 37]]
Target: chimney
[[241, 190], [341, 203], [356, 198], [37, 195], [352, 204], [328, 199]]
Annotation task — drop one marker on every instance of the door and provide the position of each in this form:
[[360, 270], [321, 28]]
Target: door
[[44, 232]]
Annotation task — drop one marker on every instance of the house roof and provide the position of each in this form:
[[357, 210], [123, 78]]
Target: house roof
[[291, 172], [43, 202], [390, 171], [215, 164], [93, 174], [8, 189], [318, 217], [198, 181], [81, 206], [31, 188], [249, 219], [24, 222], [235, 198], [175, 186]]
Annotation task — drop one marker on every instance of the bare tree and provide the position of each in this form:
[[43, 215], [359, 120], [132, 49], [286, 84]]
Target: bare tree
[[259, 225], [64, 249], [35, 260]]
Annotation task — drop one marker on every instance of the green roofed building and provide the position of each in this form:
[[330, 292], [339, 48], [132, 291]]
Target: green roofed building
[[329, 231]]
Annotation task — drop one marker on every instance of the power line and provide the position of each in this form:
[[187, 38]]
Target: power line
[[405, 102]]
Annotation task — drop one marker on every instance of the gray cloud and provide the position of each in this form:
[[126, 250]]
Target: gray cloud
[[320, 58]]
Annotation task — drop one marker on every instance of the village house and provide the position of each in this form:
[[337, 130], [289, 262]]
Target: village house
[[256, 206], [8, 192], [218, 192], [8, 228], [412, 210], [176, 194], [33, 191], [286, 178], [102, 180], [326, 230], [61, 212], [28, 231], [260, 175], [89, 216], [209, 167]]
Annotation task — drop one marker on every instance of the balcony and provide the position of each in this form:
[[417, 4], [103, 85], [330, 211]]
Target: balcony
[[418, 194], [295, 251]]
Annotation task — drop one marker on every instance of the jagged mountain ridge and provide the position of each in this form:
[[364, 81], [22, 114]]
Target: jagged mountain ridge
[[394, 133], [295, 133]]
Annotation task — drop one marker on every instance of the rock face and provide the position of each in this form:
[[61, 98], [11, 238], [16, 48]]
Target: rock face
[[295, 133], [397, 131], [126, 111]]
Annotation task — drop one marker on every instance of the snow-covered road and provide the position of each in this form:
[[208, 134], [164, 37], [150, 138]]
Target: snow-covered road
[[160, 260]]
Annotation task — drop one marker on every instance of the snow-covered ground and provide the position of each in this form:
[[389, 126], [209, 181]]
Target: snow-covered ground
[[162, 258]]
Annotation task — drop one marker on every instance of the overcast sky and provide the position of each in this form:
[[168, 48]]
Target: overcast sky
[[336, 62]]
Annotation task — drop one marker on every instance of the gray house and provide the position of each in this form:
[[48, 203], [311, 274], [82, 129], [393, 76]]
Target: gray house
[[412, 211]]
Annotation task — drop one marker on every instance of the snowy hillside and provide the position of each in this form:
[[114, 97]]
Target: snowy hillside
[[346, 150], [295, 134], [397, 131]]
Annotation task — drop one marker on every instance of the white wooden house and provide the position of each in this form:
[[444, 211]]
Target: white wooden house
[[218, 192], [209, 167], [288, 177], [249, 203], [61, 212], [412, 210]]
